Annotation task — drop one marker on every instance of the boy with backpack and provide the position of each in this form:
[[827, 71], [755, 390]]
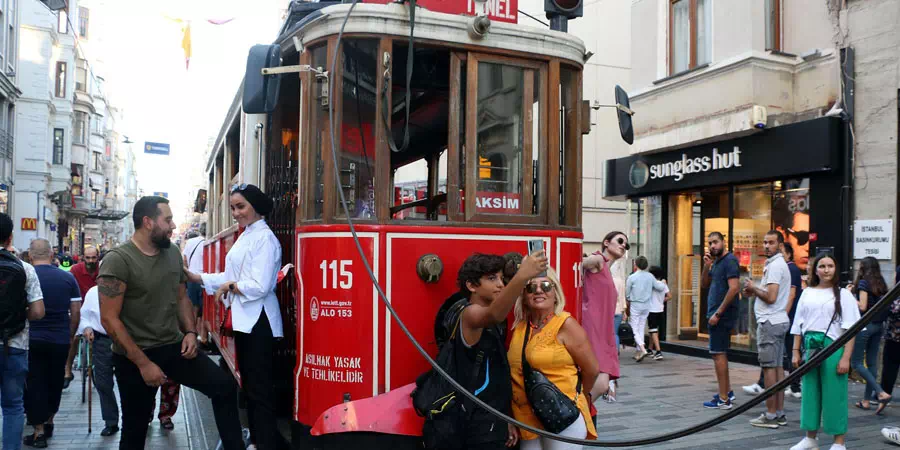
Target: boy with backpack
[[21, 300], [475, 355]]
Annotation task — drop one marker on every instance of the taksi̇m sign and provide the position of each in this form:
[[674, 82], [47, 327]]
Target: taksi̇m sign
[[873, 238]]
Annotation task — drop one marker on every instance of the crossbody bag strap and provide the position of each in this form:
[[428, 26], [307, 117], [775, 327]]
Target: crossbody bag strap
[[192, 253]]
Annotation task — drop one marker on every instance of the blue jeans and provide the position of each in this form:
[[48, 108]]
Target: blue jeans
[[866, 346], [13, 368], [617, 320]]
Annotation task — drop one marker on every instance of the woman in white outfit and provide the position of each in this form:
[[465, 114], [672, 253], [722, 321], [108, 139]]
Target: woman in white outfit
[[248, 285]]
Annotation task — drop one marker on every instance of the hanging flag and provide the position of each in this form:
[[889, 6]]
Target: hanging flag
[[186, 44]]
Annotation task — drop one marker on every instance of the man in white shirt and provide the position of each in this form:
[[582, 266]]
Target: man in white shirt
[[193, 260], [772, 298], [101, 355], [14, 350]]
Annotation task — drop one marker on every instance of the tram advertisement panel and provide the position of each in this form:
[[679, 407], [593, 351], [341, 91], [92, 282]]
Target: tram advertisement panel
[[337, 339]]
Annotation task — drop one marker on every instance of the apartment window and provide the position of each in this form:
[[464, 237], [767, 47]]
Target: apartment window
[[97, 125], [83, 20], [94, 195], [81, 75], [690, 36], [773, 25], [59, 136], [61, 68], [98, 162], [81, 127], [62, 24]]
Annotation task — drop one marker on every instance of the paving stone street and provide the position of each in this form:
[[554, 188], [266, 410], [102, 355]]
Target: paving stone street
[[654, 397]]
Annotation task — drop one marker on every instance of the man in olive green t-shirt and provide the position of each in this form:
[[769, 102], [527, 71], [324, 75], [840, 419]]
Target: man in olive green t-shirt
[[146, 311]]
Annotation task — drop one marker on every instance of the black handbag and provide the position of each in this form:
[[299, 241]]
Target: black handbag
[[553, 408]]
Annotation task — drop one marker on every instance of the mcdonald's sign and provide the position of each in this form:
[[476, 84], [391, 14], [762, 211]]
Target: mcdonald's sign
[[29, 224]]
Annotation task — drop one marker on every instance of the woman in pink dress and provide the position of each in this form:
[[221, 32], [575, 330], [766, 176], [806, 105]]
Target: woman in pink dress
[[598, 309]]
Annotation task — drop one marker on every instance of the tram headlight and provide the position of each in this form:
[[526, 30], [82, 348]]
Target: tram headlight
[[429, 268]]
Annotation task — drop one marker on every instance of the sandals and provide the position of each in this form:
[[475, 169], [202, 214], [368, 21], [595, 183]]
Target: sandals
[[67, 380], [167, 424], [859, 404], [882, 404]]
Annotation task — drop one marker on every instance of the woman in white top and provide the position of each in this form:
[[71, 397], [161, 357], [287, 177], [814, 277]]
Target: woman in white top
[[248, 285], [824, 312]]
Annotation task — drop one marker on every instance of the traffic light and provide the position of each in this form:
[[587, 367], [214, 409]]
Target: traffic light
[[569, 9], [560, 11]]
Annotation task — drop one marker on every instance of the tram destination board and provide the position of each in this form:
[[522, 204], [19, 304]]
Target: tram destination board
[[499, 10]]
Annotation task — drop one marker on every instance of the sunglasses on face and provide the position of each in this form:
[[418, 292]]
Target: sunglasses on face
[[624, 243], [238, 187], [544, 286], [802, 236]]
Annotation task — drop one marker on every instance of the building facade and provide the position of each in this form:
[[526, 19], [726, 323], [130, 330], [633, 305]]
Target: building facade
[[66, 167], [754, 116], [9, 93]]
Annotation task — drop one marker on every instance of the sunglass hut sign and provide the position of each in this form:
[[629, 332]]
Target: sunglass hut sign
[[641, 172]]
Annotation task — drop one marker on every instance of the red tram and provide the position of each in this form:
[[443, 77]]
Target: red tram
[[493, 159]]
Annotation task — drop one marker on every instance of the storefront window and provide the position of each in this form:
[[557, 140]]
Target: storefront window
[[743, 214]]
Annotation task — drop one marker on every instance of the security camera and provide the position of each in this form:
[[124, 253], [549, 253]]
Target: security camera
[[759, 117]]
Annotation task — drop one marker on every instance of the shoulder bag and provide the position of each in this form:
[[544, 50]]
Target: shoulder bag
[[553, 408]]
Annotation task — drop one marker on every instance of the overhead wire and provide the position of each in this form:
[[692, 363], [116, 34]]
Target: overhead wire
[[814, 362]]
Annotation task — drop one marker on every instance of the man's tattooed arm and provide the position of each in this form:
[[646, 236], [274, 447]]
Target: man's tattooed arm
[[112, 293]]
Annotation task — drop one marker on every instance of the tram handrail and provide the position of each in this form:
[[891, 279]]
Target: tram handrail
[[851, 333]]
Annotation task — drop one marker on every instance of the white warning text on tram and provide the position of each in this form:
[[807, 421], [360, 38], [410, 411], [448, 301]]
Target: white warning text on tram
[[333, 368]]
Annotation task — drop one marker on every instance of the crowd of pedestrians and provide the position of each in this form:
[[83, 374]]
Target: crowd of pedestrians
[[139, 307]]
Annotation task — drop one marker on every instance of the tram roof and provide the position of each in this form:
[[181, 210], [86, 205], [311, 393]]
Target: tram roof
[[393, 20], [311, 21]]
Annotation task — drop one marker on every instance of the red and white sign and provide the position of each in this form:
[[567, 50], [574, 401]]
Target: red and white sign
[[498, 203], [499, 10]]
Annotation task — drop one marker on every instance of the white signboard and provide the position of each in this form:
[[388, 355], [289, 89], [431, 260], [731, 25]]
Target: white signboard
[[873, 238]]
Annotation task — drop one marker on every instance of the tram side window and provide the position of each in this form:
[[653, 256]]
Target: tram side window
[[318, 139], [569, 134], [508, 156], [419, 171], [357, 135]]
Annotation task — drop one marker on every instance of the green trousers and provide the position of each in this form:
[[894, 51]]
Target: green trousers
[[824, 392]]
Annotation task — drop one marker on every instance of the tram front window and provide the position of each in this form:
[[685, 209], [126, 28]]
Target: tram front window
[[506, 151], [357, 147], [419, 171]]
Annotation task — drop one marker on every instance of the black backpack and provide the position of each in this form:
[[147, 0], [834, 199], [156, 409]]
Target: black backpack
[[13, 298], [434, 398]]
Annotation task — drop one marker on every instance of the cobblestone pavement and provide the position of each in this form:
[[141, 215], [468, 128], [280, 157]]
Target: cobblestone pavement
[[193, 423], [657, 397], [654, 397]]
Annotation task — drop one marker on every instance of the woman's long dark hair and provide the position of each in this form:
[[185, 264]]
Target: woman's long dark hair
[[814, 281], [870, 271]]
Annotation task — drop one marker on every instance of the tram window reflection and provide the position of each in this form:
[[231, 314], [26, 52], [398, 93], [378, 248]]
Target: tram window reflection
[[356, 157]]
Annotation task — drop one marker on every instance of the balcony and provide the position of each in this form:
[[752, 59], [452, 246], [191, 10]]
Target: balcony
[[7, 144]]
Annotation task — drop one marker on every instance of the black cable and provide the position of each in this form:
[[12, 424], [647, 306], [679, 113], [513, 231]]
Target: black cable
[[387, 111], [882, 304], [534, 18]]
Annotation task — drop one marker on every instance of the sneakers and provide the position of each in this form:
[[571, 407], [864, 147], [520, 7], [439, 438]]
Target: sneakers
[[658, 356], [807, 444], [791, 392], [717, 403], [731, 396], [892, 434], [764, 422], [782, 421], [640, 356], [753, 389]]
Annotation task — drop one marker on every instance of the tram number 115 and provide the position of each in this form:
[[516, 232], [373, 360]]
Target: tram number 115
[[340, 273]]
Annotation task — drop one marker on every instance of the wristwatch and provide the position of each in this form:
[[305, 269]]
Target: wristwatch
[[192, 332], [716, 314], [230, 286]]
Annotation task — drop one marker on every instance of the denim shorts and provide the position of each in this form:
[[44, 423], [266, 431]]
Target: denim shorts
[[720, 337], [770, 343]]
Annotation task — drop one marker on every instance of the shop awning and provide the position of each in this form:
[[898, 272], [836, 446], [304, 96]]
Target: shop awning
[[107, 214]]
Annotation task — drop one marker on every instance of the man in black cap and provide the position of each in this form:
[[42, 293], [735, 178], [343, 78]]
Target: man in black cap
[[146, 311]]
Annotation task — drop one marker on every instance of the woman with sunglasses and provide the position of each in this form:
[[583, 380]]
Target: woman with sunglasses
[[557, 347], [599, 311], [248, 284], [825, 311]]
